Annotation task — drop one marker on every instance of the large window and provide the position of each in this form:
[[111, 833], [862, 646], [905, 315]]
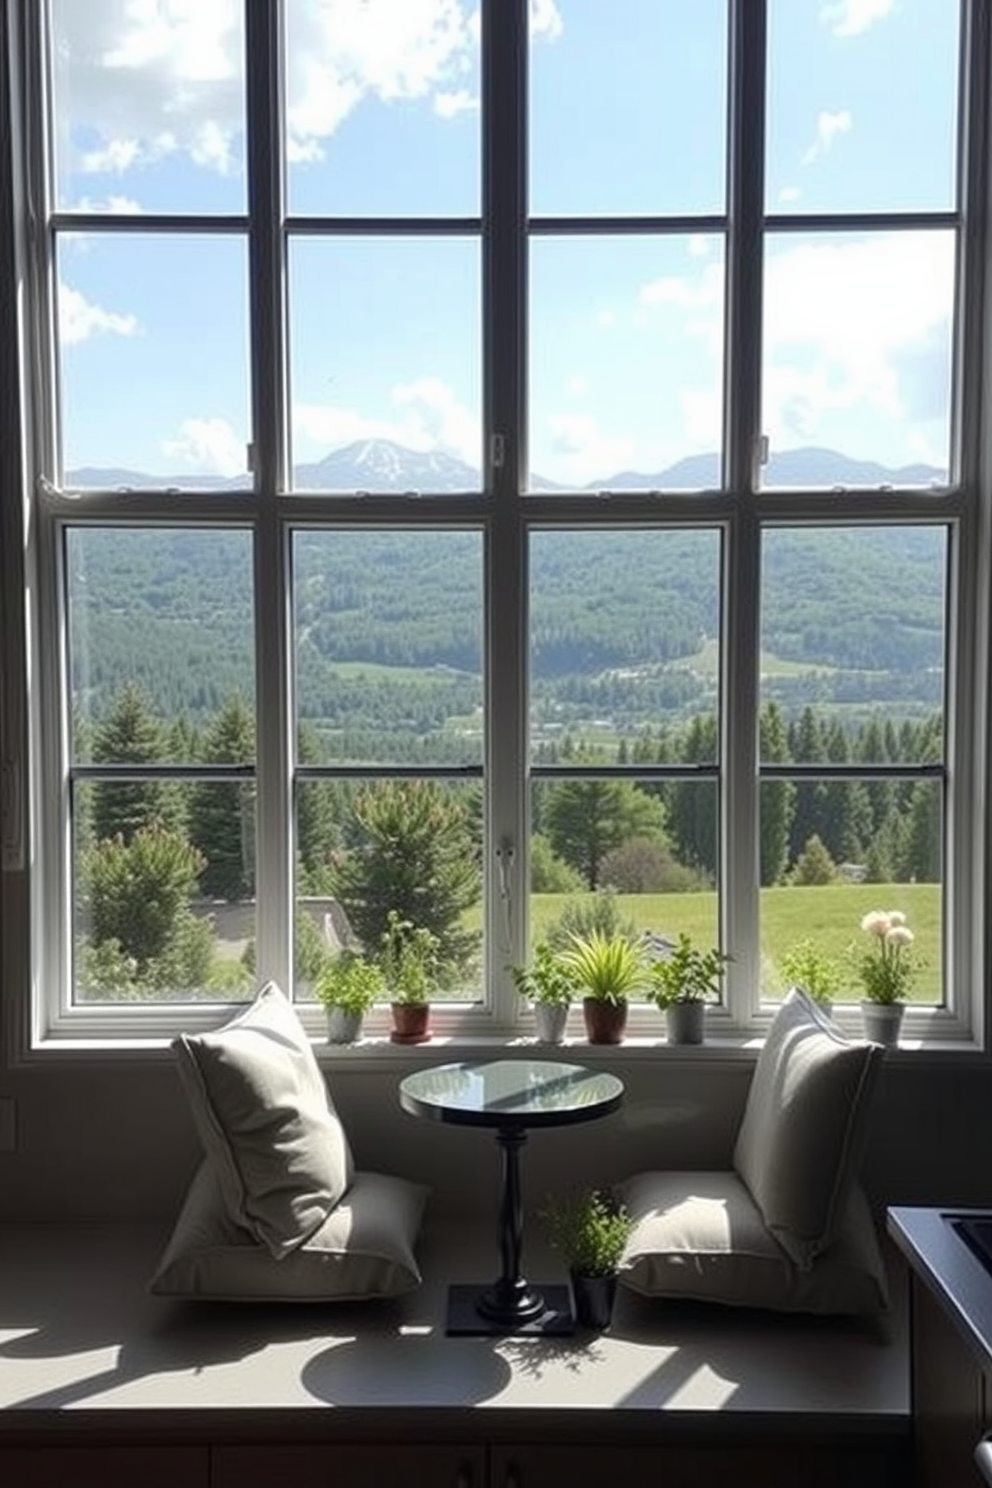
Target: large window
[[517, 462]]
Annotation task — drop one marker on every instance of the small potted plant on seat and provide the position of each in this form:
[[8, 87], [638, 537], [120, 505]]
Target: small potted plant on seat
[[886, 971], [348, 986], [590, 1230], [549, 987], [408, 958], [682, 982], [607, 971]]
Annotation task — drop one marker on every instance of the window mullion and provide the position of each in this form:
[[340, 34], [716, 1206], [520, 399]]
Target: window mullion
[[273, 882]]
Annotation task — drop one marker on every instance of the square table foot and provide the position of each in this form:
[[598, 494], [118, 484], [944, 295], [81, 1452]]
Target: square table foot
[[557, 1319]]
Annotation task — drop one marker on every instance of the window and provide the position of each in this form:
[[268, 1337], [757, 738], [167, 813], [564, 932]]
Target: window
[[515, 462]]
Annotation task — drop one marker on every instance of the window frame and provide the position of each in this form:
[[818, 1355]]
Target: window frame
[[34, 623]]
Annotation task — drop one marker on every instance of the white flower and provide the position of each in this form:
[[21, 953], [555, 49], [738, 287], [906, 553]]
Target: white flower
[[900, 935], [896, 917], [877, 922]]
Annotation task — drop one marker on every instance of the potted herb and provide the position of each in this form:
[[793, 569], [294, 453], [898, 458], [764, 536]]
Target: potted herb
[[590, 1231], [607, 970], [348, 986], [805, 965], [682, 982], [886, 970], [408, 958], [549, 986]]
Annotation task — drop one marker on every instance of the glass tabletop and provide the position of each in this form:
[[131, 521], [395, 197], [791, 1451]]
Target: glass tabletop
[[511, 1092]]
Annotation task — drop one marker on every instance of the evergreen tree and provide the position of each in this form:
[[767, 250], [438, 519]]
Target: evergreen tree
[[586, 819], [693, 805], [814, 866], [777, 799], [132, 735], [223, 811]]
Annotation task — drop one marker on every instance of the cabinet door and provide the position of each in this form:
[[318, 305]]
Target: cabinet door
[[349, 1465], [948, 1398], [104, 1467]]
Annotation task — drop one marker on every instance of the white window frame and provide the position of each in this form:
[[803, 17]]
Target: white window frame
[[35, 902]]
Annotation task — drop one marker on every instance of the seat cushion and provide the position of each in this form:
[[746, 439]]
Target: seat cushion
[[363, 1249], [267, 1122], [804, 1126], [700, 1235]]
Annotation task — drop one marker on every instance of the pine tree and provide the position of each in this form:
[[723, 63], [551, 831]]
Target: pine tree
[[132, 735], [586, 819], [222, 815]]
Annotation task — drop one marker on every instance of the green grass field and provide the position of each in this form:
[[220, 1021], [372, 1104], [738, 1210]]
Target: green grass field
[[829, 916]]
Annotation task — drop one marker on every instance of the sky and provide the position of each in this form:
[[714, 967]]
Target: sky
[[627, 116]]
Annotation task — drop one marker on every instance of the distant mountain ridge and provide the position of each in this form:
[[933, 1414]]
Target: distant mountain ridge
[[381, 466]]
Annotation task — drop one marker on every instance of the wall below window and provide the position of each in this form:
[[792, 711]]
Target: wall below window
[[112, 1139]]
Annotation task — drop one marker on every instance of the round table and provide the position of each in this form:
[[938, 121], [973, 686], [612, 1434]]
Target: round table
[[510, 1097]]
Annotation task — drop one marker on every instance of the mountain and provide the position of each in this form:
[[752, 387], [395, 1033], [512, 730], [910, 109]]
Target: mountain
[[382, 466]]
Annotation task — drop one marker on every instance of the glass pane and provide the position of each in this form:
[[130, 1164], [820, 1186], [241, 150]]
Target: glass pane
[[862, 105], [388, 647], [385, 345], [866, 846], [382, 107], [853, 639], [163, 906], [148, 106], [368, 847], [624, 646], [630, 856], [153, 360], [612, 87], [160, 644], [626, 362], [856, 374]]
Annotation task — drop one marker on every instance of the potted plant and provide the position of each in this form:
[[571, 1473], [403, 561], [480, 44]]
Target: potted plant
[[805, 965], [348, 985], [549, 986], [607, 970], [886, 971], [408, 959], [682, 982], [590, 1231]]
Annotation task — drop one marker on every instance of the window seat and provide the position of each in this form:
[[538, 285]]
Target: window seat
[[90, 1362]]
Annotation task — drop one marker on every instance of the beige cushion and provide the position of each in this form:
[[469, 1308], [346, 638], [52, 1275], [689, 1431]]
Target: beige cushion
[[267, 1122], [804, 1126], [700, 1236], [363, 1249]]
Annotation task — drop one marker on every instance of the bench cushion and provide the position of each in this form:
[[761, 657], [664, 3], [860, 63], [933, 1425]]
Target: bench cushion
[[267, 1122], [364, 1248]]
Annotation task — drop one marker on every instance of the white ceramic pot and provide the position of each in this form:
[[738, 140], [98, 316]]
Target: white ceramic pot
[[882, 1021], [549, 1021], [343, 1027]]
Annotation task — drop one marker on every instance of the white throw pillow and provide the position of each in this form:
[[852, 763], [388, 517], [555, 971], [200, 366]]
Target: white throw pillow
[[804, 1126], [267, 1122]]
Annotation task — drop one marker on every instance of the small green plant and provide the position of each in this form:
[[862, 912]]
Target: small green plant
[[606, 968], [408, 958], [350, 982], [887, 969], [686, 974], [590, 1230], [547, 981], [805, 965]]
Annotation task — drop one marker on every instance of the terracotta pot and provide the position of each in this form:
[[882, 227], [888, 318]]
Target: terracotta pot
[[410, 1020], [605, 1021]]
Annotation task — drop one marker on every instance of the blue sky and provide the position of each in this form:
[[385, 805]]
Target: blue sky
[[628, 108]]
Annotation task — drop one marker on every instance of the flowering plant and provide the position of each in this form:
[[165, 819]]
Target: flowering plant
[[887, 968]]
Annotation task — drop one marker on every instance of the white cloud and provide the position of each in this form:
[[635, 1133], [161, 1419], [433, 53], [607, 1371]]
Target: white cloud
[[699, 245], [429, 416], [545, 19], [789, 194], [582, 451], [450, 104], [210, 445], [79, 318], [119, 206], [852, 17], [828, 127]]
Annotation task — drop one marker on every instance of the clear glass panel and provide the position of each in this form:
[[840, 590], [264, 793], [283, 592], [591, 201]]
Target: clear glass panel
[[148, 106], [163, 906], [862, 105], [385, 337], [865, 846], [382, 107], [366, 847], [160, 645], [624, 855], [856, 366], [153, 360], [626, 362], [388, 647], [624, 646], [611, 89], [853, 640]]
